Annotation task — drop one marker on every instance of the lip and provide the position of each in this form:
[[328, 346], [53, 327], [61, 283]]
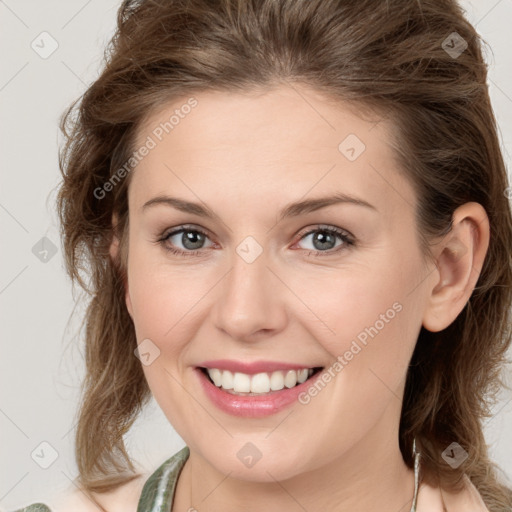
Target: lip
[[252, 367], [253, 406]]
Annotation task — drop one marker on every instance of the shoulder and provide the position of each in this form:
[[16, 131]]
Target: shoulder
[[123, 499], [468, 499], [435, 499]]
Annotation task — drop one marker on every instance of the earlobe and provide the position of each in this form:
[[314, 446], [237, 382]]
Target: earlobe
[[459, 262]]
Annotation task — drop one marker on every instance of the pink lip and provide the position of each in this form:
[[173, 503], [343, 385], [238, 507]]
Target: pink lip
[[253, 406], [251, 368]]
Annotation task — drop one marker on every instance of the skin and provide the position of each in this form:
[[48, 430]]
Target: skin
[[247, 156]]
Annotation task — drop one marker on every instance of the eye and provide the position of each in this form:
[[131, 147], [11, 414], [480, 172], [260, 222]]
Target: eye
[[323, 240], [191, 240]]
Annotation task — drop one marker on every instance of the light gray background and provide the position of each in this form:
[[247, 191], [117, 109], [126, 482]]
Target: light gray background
[[41, 363]]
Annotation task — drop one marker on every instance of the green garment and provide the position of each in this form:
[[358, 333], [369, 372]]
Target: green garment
[[158, 491]]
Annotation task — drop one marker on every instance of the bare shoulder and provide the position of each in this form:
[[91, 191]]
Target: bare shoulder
[[435, 499], [123, 499], [468, 499]]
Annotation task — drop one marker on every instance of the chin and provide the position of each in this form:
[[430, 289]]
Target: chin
[[264, 464]]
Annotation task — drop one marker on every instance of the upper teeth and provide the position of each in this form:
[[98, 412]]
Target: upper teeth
[[259, 382]]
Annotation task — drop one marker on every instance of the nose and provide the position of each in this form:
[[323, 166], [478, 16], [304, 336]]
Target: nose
[[251, 300]]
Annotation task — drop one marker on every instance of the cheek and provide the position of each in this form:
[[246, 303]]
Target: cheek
[[163, 298], [369, 326], [164, 313], [366, 319]]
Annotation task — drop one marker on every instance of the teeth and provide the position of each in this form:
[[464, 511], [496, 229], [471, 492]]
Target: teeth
[[276, 381], [241, 383], [302, 375], [259, 382], [216, 376], [227, 380], [290, 378]]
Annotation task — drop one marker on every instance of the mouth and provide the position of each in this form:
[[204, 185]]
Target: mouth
[[258, 384], [255, 389]]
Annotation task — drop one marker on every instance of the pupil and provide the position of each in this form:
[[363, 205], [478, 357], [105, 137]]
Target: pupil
[[192, 239], [323, 238]]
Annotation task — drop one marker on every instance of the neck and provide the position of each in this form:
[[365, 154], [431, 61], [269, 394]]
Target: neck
[[371, 473]]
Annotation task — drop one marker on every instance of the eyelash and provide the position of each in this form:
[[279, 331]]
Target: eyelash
[[346, 239]]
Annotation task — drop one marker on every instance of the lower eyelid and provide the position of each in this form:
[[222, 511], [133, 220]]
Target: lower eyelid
[[166, 237], [342, 235], [346, 240]]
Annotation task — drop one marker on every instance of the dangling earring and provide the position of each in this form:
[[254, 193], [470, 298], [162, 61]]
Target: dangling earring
[[416, 455]]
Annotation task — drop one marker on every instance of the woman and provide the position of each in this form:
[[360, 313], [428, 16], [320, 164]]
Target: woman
[[294, 224]]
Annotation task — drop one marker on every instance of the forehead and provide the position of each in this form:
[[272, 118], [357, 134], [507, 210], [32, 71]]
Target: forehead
[[288, 139]]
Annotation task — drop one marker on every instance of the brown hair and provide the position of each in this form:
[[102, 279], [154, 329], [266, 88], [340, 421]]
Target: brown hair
[[387, 56]]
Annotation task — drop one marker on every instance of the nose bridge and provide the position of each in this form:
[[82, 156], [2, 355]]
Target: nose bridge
[[250, 300]]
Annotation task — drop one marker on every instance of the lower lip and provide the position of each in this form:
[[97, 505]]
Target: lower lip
[[253, 406]]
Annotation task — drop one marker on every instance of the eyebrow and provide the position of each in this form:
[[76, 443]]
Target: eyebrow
[[290, 210]]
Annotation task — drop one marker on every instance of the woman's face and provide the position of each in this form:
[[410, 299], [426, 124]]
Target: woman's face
[[236, 185]]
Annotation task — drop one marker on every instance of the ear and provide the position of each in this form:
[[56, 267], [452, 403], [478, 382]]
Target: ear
[[114, 254], [459, 260]]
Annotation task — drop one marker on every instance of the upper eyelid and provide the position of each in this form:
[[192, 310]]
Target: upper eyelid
[[327, 227], [301, 234], [185, 227]]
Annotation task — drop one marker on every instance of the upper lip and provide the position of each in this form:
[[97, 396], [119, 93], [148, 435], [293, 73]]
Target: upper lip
[[253, 367]]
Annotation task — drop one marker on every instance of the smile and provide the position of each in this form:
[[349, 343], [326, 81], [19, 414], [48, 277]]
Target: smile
[[260, 383], [254, 390]]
